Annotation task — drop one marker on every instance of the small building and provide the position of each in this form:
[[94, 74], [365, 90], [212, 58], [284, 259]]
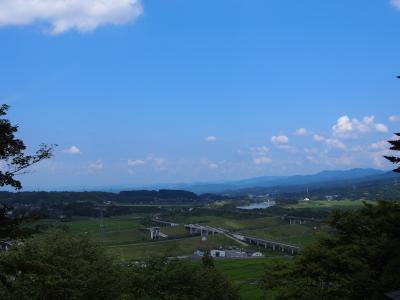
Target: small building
[[235, 254], [199, 253], [217, 253]]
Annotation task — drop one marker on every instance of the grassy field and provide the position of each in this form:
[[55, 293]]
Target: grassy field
[[127, 235], [97, 225], [175, 232], [108, 231], [301, 235], [348, 204], [246, 274], [179, 247], [230, 223], [178, 205]]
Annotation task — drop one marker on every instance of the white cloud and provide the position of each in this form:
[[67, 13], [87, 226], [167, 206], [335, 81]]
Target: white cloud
[[396, 3], [381, 128], [210, 138], [335, 143], [135, 163], [65, 15], [96, 166], [72, 150], [280, 140], [213, 166], [301, 132], [259, 151], [159, 162], [394, 118], [353, 128], [318, 138], [262, 160], [343, 126], [379, 145]]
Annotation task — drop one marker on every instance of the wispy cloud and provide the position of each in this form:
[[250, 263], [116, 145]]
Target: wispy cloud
[[259, 151], [318, 138], [72, 150], [379, 145], [280, 140], [301, 132], [262, 160], [135, 163], [213, 166], [159, 162], [65, 15], [396, 3], [394, 118], [210, 138], [95, 166], [335, 143]]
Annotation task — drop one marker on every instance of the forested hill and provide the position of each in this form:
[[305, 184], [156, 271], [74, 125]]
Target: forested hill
[[142, 196], [169, 195], [378, 187]]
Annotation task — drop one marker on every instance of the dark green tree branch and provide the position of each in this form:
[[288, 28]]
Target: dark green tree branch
[[13, 159]]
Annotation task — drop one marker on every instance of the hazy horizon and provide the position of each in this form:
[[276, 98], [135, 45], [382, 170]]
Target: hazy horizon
[[173, 184]]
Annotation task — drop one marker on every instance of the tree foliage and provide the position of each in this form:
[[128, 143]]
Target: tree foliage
[[176, 280], [207, 260], [62, 266], [57, 266], [13, 159], [360, 261], [395, 147], [12, 228]]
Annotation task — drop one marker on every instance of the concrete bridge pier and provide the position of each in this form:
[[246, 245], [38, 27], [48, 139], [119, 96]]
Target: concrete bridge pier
[[155, 233]]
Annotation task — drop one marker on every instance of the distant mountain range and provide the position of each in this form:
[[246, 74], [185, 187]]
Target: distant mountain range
[[382, 185], [323, 183], [267, 182]]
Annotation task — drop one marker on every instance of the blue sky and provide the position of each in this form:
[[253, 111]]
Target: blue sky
[[139, 92]]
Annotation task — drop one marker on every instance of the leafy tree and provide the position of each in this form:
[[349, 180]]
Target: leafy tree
[[358, 262], [207, 260], [58, 266], [159, 279], [11, 228], [13, 159], [395, 147]]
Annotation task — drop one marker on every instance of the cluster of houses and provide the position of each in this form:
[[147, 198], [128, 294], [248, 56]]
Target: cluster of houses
[[229, 253]]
